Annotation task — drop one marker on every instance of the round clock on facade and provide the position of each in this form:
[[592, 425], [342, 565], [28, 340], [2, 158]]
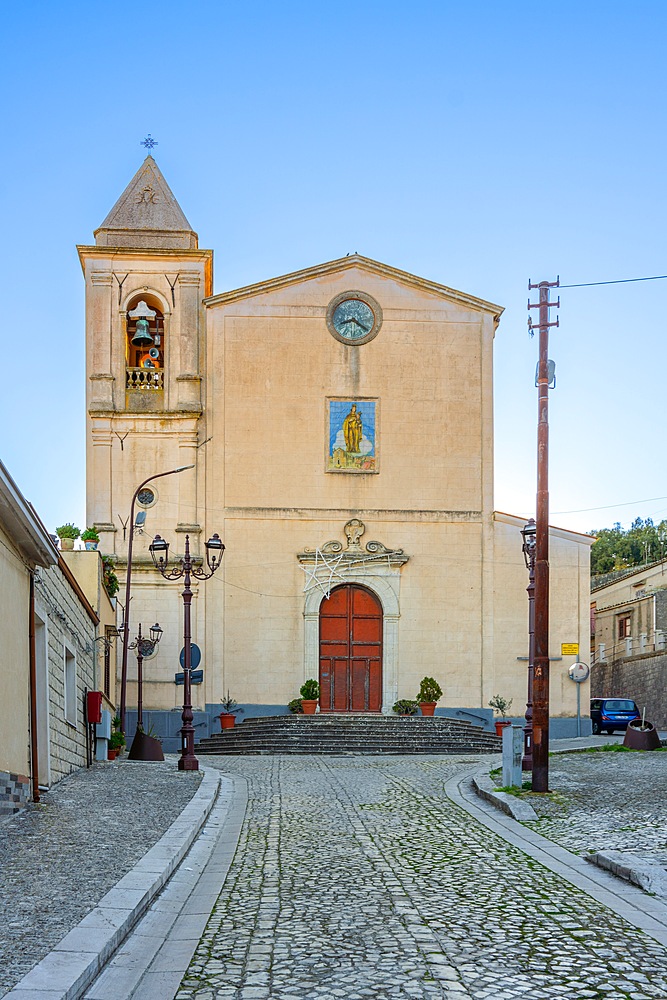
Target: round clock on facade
[[354, 317]]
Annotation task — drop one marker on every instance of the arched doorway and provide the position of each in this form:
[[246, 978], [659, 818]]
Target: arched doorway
[[351, 651]]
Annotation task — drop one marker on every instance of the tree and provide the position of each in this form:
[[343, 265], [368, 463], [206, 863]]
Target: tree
[[616, 548]]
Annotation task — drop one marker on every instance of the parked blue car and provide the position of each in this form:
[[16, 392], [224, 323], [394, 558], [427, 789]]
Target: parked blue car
[[609, 714]]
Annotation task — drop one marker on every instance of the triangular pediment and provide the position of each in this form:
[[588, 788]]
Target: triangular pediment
[[147, 215], [357, 262]]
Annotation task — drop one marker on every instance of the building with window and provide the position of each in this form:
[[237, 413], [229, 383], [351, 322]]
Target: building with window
[[630, 638], [339, 425]]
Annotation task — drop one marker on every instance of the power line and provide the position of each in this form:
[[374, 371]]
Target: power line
[[618, 281], [609, 506]]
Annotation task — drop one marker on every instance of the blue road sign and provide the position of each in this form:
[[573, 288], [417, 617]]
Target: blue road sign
[[195, 656]]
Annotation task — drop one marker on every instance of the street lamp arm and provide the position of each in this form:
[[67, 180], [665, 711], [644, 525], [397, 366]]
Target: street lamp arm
[[128, 581]]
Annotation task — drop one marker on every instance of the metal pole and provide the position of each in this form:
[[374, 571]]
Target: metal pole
[[188, 761], [540, 782], [128, 583], [578, 709], [140, 672], [528, 729]]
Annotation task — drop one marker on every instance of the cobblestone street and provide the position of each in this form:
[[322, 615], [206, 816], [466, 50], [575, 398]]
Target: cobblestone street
[[357, 877]]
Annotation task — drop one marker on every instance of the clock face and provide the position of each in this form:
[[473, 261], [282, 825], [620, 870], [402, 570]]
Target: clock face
[[354, 317]]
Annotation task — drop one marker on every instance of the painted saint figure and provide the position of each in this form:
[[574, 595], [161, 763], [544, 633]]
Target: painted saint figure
[[353, 430]]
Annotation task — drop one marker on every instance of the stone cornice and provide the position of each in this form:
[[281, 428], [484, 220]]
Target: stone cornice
[[331, 513], [365, 263]]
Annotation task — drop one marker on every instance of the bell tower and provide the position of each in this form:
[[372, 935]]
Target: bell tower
[[146, 279]]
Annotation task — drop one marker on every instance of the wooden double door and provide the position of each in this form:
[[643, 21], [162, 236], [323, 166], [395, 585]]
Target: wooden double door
[[351, 651]]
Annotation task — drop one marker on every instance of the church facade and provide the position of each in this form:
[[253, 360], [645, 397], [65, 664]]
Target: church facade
[[339, 425]]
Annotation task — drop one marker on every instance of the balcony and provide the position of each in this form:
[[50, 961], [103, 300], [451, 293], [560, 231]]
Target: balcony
[[148, 379]]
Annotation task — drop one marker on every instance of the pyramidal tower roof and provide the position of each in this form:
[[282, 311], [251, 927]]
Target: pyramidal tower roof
[[147, 215]]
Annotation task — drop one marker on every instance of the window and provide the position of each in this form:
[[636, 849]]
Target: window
[[70, 687], [624, 627]]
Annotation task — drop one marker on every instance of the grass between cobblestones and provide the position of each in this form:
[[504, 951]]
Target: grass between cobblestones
[[357, 878]]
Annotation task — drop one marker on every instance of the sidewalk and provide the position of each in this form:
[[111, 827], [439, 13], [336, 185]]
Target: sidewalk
[[60, 857]]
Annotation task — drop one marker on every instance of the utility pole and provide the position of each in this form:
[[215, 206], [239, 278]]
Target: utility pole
[[540, 773]]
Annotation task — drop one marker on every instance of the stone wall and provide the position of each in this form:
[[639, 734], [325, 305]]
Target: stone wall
[[14, 792], [69, 631], [642, 678]]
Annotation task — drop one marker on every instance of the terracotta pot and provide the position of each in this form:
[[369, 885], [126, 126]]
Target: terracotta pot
[[637, 738], [227, 721], [309, 706], [500, 726], [111, 754], [67, 544], [427, 707]]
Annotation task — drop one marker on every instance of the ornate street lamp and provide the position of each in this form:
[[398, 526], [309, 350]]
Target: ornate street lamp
[[159, 550], [528, 533], [128, 583], [145, 647], [143, 749]]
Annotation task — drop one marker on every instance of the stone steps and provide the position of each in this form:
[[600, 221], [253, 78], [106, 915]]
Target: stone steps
[[351, 734]]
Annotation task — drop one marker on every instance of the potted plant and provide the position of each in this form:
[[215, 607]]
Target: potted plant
[[109, 578], [310, 692], [116, 740], [500, 706], [228, 711], [296, 706], [68, 534], [428, 694], [405, 706], [146, 745], [641, 735], [91, 538]]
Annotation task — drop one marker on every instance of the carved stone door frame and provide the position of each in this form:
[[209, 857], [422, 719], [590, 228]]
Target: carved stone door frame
[[379, 570]]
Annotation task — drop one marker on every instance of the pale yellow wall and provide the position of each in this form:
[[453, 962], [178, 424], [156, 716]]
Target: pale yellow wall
[[569, 600], [260, 450], [274, 362], [14, 660], [86, 565]]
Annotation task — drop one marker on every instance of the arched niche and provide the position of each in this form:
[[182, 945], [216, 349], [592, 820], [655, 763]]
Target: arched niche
[[145, 341]]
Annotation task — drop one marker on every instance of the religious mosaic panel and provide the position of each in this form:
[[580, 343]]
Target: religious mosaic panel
[[352, 435]]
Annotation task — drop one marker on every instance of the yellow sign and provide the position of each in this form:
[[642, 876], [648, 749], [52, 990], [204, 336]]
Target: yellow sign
[[569, 649]]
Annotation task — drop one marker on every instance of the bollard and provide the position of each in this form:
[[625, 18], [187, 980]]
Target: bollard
[[512, 752]]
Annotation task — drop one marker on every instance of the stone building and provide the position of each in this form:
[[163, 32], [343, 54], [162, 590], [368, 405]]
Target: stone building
[[629, 615], [339, 421], [47, 655]]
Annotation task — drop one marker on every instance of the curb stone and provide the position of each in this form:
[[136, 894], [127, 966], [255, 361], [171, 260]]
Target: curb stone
[[647, 875], [510, 804], [79, 957]]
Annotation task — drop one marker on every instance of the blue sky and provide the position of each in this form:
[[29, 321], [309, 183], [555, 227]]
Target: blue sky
[[477, 144]]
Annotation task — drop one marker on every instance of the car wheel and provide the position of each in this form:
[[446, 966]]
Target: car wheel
[[609, 731], [596, 729]]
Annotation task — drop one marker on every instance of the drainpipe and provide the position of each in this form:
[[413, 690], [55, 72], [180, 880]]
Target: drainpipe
[[34, 768]]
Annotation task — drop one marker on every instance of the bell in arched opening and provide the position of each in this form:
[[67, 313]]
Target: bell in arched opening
[[142, 315]]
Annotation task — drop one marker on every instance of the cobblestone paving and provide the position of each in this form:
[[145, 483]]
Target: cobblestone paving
[[58, 858], [356, 878], [606, 801]]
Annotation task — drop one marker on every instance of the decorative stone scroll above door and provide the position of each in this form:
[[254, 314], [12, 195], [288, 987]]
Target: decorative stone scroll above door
[[374, 566]]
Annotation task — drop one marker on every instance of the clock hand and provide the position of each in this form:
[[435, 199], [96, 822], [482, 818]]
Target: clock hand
[[353, 319]]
